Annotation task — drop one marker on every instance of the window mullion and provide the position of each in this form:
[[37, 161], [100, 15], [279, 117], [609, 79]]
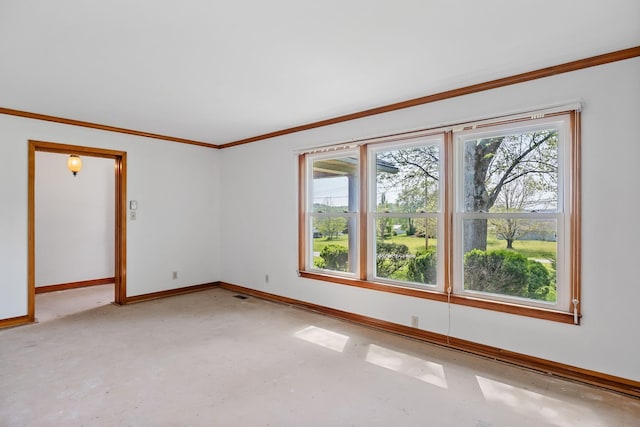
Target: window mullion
[[303, 194], [575, 225], [447, 209], [363, 214]]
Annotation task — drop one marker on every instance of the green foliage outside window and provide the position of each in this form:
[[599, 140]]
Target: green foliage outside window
[[334, 257], [506, 272], [390, 257], [423, 268]]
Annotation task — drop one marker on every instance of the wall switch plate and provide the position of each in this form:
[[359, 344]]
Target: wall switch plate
[[414, 321], [133, 205]]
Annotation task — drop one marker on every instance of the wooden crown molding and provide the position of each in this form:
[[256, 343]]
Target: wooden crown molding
[[467, 90], [579, 64], [72, 122]]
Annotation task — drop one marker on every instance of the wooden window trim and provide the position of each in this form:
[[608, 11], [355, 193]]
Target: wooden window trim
[[302, 213], [575, 215], [500, 306], [574, 173]]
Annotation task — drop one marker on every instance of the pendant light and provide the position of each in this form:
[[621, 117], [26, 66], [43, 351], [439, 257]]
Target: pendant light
[[74, 163]]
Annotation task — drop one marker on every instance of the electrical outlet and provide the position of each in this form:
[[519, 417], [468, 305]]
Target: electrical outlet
[[132, 215], [174, 275], [414, 321]]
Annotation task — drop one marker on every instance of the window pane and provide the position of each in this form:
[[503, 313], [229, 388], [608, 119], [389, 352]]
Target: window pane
[[512, 173], [406, 249], [407, 180], [335, 185], [333, 243], [511, 257]]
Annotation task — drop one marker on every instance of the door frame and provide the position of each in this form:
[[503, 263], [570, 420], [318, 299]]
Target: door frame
[[120, 170]]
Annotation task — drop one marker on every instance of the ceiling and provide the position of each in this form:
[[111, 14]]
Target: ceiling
[[217, 71]]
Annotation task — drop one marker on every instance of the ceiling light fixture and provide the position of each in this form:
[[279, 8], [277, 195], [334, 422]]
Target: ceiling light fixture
[[74, 163]]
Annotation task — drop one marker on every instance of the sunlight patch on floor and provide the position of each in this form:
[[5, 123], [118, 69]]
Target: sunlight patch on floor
[[323, 337], [535, 405], [423, 370]]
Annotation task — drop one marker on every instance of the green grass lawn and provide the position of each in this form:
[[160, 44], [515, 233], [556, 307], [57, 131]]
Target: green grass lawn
[[413, 243], [530, 248], [320, 243]]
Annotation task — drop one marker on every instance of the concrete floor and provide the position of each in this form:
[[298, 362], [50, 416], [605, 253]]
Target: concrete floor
[[210, 359]]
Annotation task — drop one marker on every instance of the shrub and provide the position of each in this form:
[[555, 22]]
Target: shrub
[[423, 268], [334, 257], [539, 280], [390, 257], [501, 272], [506, 272]]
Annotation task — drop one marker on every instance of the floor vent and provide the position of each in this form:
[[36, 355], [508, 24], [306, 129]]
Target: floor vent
[[240, 296]]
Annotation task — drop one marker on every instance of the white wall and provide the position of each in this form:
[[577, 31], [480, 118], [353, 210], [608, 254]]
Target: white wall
[[259, 199], [75, 219], [177, 187], [185, 217]]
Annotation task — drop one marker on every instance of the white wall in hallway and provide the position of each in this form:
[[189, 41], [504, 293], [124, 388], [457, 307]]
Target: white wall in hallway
[[75, 219], [177, 187]]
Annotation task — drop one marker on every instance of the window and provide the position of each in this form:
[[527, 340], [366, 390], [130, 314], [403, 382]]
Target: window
[[484, 215], [405, 213], [510, 212], [332, 229]]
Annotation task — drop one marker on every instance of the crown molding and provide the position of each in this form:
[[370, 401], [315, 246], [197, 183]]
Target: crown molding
[[567, 67], [72, 122]]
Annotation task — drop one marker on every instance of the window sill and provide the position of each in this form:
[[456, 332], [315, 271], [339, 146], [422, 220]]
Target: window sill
[[503, 307]]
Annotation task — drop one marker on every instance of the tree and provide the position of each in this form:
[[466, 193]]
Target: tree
[[411, 200], [383, 225], [330, 226], [490, 164], [515, 197], [416, 181]]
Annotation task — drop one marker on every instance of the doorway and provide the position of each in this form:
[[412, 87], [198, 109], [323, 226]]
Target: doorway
[[120, 172]]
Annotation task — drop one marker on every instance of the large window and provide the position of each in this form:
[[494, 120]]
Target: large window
[[332, 203], [483, 215], [405, 212], [510, 212]]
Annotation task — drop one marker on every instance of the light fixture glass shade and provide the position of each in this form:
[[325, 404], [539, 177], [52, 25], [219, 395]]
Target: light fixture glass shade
[[74, 164]]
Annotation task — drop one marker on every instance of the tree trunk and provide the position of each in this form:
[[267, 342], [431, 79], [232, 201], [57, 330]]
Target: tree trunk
[[509, 243], [477, 159], [475, 234]]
